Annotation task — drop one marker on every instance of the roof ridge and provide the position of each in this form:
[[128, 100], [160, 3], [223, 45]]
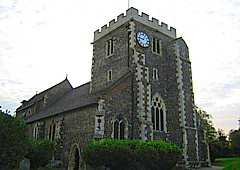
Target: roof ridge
[[51, 88]]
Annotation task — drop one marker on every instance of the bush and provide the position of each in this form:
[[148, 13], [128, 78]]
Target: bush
[[40, 153], [13, 141], [131, 154]]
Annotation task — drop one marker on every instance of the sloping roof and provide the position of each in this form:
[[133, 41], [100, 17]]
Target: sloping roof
[[76, 98], [40, 96]]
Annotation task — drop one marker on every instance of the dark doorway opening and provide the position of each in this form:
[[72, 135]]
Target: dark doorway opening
[[76, 159]]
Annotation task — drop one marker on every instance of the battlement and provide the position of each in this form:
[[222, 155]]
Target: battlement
[[133, 13]]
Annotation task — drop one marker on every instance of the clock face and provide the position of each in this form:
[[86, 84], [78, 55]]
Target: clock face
[[143, 39]]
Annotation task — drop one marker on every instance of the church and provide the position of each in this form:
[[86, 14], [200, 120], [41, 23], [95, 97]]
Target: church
[[140, 88]]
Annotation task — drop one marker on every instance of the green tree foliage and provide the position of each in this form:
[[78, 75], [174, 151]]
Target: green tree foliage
[[40, 153], [13, 141], [220, 147], [131, 154], [207, 124], [234, 137], [217, 140]]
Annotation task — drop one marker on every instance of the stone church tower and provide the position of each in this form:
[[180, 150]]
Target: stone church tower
[[159, 101], [140, 88]]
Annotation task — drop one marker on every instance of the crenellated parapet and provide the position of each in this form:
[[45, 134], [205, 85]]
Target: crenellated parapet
[[133, 14]]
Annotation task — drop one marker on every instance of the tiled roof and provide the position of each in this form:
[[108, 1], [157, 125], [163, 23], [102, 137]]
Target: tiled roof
[[76, 98], [40, 96]]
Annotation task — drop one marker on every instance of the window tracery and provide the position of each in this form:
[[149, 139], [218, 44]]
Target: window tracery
[[120, 129], [158, 112]]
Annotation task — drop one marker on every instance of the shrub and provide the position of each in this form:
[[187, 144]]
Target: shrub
[[157, 154], [40, 153], [131, 154]]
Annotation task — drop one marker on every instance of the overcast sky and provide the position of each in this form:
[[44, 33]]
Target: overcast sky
[[43, 40]]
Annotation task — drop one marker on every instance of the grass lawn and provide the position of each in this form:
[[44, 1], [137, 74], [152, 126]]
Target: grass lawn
[[228, 163]]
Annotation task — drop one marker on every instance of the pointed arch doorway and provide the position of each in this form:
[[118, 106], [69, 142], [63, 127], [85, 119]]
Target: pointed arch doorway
[[74, 159]]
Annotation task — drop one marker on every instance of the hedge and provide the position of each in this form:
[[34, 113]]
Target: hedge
[[131, 154]]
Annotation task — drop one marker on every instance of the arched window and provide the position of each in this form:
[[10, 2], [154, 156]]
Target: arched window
[[153, 117], [35, 131], [119, 129], [52, 132], [157, 119], [122, 129], [161, 120], [115, 134], [158, 113]]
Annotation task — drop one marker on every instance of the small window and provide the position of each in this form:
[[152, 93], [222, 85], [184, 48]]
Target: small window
[[157, 46], [109, 47], [155, 74], [109, 75]]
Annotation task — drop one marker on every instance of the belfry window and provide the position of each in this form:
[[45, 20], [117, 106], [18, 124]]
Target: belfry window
[[109, 75], [157, 46], [155, 74], [109, 47], [158, 113], [119, 129]]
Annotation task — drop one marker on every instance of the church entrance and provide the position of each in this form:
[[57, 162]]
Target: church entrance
[[74, 161]]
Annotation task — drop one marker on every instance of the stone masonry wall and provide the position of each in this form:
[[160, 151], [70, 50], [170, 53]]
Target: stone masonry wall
[[117, 62], [119, 107], [78, 129]]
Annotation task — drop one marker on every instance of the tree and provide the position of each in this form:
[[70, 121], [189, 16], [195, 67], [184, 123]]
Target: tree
[[207, 124], [234, 137], [217, 140], [13, 140]]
